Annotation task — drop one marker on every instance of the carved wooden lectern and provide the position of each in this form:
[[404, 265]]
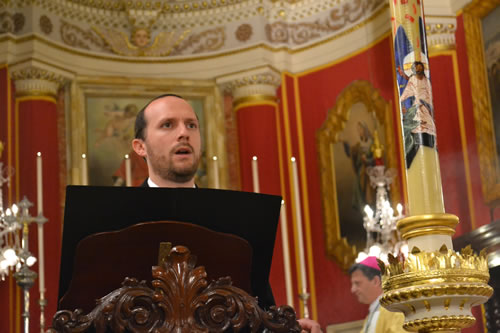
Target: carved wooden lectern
[[181, 298]]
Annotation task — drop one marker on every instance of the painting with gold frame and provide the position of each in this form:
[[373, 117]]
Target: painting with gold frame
[[482, 34], [345, 143], [103, 117]]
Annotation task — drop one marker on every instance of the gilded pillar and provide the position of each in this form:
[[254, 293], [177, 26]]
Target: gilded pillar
[[435, 287]]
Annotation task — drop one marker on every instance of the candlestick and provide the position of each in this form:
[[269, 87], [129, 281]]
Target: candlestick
[[300, 237], [425, 194], [85, 180], [286, 254], [255, 175], [216, 172], [128, 171]]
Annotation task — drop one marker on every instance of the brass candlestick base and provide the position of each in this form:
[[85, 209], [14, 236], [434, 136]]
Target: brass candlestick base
[[435, 289]]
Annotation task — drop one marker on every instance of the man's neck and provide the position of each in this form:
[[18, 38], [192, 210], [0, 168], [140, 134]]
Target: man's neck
[[160, 182]]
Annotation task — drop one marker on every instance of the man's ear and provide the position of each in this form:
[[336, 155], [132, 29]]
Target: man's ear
[[139, 147], [377, 280]]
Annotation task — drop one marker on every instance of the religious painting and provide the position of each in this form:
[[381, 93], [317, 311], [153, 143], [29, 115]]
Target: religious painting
[[359, 122], [414, 87], [110, 130], [482, 33], [102, 121]]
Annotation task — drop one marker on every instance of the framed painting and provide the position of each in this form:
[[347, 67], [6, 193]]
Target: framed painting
[[482, 33], [359, 119], [102, 128]]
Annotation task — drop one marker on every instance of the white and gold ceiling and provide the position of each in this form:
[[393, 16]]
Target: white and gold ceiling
[[197, 39]]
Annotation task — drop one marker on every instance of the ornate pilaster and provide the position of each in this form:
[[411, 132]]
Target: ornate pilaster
[[34, 81], [252, 86], [37, 130], [440, 33], [254, 101]]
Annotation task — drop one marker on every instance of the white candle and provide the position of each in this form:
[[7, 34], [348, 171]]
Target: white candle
[[298, 213], [128, 171], [85, 180], [39, 192], [41, 258], [286, 254], [255, 175], [216, 172]]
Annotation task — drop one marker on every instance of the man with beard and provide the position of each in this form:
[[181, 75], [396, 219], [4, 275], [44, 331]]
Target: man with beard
[[167, 136]]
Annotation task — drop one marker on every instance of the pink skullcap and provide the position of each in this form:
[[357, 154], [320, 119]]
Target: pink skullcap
[[371, 262]]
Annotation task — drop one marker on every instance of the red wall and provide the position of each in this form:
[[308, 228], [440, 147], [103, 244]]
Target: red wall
[[317, 92]]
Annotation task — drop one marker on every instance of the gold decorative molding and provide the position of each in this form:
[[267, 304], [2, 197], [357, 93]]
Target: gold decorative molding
[[440, 32], [36, 81], [430, 224], [304, 32], [483, 117], [254, 100], [440, 324], [441, 266], [338, 248]]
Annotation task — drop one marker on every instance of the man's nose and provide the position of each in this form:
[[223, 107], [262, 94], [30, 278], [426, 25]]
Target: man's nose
[[183, 132]]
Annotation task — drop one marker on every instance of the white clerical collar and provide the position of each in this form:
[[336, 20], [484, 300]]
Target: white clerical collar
[[375, 304], [153, 184]]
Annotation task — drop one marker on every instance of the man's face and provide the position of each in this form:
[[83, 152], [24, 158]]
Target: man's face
[[172, 145], [365, 290], [419, 69]]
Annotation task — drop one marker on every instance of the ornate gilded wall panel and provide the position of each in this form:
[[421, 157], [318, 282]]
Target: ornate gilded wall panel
[[360, 113], [483, 42]]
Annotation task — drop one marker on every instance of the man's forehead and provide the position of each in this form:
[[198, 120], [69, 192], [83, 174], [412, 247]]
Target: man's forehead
[[170, 107]]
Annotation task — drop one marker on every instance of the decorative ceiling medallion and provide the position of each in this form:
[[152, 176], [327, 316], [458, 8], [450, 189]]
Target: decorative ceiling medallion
[[45, 25], [244, 32], [12, 23]]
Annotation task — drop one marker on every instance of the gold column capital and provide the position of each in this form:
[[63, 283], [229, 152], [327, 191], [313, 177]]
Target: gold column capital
[[440, 32], [35, 81], [252, 85]]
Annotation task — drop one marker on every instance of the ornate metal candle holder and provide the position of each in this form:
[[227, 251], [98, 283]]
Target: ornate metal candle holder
[[435, 287]]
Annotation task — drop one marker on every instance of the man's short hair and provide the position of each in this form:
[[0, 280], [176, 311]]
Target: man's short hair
[[369, 272], [140, 120]]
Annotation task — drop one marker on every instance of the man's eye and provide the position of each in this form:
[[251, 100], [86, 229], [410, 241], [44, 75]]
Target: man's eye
[[167, 125], [192, 126]]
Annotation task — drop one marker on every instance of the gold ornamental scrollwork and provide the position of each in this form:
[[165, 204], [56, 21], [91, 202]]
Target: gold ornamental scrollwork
[[483, 117], [340, 17], [337, 247]]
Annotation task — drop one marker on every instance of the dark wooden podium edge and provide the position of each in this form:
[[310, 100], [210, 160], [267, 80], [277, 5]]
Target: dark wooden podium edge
[[181, 301]]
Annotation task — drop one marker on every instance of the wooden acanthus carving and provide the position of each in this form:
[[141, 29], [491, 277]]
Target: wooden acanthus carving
[[181, 301]]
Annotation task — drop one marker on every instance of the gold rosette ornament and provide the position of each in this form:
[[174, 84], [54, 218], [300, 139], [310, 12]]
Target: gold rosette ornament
[[435, 287]]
